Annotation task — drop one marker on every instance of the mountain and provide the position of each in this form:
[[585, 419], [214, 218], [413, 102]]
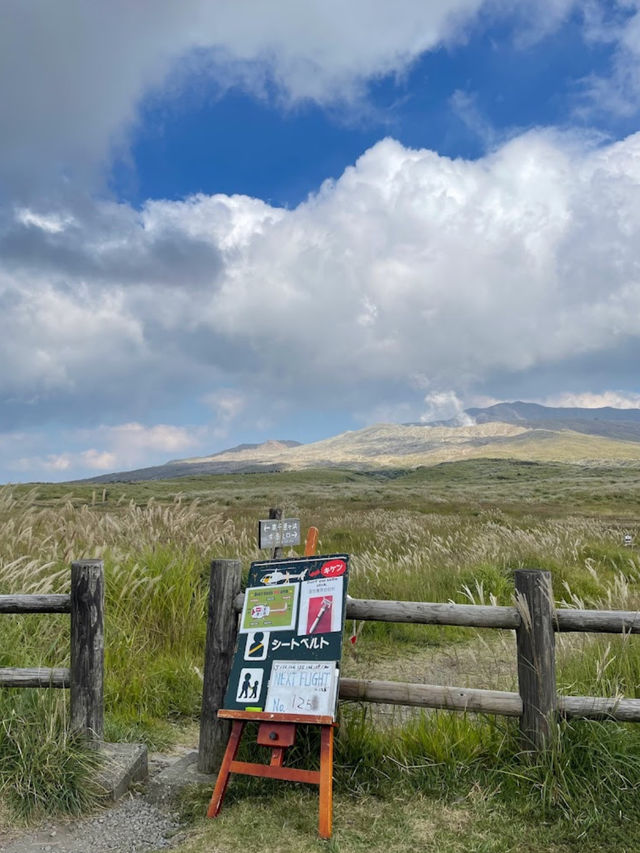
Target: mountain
[[523, 431], [270, 445], [613, 423], [217, 463]]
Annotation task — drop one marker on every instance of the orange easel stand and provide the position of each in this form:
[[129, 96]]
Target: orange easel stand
[[278, 731]]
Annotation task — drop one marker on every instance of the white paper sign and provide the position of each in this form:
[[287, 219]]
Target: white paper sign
[[298, 687], [320, 606]]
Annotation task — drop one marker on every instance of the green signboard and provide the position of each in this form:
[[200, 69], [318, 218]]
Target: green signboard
[[287, 658]]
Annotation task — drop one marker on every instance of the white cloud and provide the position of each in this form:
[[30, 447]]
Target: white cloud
[[461, 266], [53, 462], [99, 460], [464, 105], [112, 448], [587, 400], [617, 90], [130, 443], [226, 404], [538, 20], [52, 224], [445, 406], [163, 437], [55, 334], [411, 274]]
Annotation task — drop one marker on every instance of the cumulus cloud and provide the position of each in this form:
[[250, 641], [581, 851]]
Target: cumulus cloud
[[60, 339], [411, 274], [459, 268]]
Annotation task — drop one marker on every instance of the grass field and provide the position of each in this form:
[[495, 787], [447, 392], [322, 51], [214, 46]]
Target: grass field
[[452, 532]]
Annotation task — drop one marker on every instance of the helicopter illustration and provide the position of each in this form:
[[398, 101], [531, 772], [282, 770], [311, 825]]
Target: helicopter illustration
[[277, 577], [261, 611]]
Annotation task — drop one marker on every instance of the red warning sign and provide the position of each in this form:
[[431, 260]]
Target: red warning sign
[[334, 568]]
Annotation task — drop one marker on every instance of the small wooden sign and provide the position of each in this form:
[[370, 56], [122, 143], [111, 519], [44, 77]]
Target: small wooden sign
[[278, 532]]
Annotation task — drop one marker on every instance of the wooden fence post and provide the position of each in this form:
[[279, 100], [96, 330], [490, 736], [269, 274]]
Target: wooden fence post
[[536, 657], [276, 514], [87, 648], [224, 587]]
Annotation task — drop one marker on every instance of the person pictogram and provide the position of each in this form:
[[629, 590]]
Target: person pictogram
[[246, 684]]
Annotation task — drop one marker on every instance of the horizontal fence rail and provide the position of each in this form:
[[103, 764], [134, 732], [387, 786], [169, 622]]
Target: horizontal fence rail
[[474, 700], [533, 617], [85, 676], [426, 613], [432, 696], [39, 676], [35, 604], [598, 621], [482, 616], [596, 708]]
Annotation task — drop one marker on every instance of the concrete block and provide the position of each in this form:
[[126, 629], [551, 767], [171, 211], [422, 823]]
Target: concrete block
[[167, 785], [124, 763]]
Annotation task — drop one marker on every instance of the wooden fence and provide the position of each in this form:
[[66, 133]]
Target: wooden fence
[[533, 617], [85, 676]]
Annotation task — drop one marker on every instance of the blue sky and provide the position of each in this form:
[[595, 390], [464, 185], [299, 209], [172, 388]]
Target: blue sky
[[233, 221]]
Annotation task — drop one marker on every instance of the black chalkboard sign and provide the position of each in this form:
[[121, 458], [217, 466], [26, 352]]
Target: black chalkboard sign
[[290, 637]]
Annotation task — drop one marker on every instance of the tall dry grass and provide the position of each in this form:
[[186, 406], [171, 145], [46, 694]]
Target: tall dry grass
[[156, 562]]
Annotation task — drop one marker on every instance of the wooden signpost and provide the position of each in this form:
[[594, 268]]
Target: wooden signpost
[[286, 668]]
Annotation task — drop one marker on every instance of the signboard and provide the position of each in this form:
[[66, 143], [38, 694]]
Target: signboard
[[296, 687], [290, 639], [272, 608], [278, 532]]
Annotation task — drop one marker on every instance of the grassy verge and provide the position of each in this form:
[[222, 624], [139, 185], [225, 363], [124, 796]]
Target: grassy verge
[[288, 822], [445, 781], [43, 769]]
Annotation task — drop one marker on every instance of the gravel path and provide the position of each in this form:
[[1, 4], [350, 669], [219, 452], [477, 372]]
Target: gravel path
[[131, 826], [135, 825]]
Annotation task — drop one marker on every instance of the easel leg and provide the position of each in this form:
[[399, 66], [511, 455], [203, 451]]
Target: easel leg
[[326, 782], [223, 774], [277, 756]]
